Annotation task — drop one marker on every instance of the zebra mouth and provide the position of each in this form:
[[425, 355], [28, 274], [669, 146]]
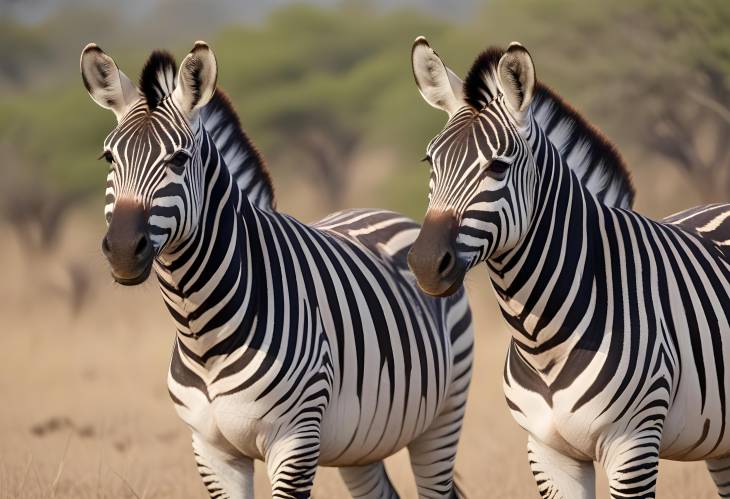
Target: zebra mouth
[[134, 280], [454, 287], [445, 287]]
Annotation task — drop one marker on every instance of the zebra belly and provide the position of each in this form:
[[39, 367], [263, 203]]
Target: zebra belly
[[697, 425], [363, 430], [352, 433], [388, 414]]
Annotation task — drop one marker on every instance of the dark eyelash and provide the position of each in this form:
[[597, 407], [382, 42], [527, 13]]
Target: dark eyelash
[[107, 156], [497, 169], [177, 162]]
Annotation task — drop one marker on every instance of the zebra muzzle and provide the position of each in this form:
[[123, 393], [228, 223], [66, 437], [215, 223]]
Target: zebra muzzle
[[127, 244], [433, 258]]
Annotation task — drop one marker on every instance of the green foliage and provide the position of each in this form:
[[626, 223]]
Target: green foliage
[[344, 73], [340, 68], [59, 133]]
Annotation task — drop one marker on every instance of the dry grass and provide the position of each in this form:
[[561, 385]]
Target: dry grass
[[85, 411]]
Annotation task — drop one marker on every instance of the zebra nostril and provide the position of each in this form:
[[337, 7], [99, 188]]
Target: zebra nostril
[[142, 245], [105, 248], [446, 263]]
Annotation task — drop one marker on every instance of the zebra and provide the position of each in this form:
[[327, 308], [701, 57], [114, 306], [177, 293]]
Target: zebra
[[619, 323], [296, 345]]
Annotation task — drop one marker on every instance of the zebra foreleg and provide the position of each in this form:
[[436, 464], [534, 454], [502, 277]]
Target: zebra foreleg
[[223, 476], [291, 463], [720, 472], [631, 465], [559, 476], [368, 482]]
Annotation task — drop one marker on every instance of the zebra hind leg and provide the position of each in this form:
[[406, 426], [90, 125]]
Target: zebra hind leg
[[720, 472], [224, 477], [433, 453], [368, 482], [559, 476]]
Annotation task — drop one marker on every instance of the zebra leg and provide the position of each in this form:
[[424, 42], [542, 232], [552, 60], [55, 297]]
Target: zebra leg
[[433, 453], [720, 472], [224, 477], [368, 482], [632, 465], [291, 462], [559, 476]]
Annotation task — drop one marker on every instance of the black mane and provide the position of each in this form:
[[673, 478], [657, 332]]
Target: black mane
[[586, 151], [244, 161]]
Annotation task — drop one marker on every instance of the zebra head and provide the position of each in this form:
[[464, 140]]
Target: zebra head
[[156, 154], [482, 174]]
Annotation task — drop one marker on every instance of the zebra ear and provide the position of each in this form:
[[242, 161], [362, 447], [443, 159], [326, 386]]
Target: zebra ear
[[106, 84], [196, 79], [516, 75], [439, 86]]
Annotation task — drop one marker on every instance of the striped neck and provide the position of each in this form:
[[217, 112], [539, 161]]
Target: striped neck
[[543, 284], [208, 282]]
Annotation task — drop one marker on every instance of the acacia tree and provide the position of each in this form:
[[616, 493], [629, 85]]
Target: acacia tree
[[670, 85], [328, 146]]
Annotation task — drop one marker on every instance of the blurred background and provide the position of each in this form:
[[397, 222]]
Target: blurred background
[[324, 88]]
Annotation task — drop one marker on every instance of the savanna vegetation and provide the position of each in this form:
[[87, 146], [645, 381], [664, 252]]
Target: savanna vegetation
[[319, 89], [318, 86]]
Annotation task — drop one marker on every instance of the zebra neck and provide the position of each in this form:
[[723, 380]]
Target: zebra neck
[[545, 285], [208, 283]]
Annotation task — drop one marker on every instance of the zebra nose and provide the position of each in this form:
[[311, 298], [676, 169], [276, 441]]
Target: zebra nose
[[446, 263], [127, 244], [433, 258], [141, 249], [106, 247]]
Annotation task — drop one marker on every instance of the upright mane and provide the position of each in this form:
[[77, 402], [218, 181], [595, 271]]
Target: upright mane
[[244, 162], [586, 151]]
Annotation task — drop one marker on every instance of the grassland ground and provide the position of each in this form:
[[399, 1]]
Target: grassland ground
[[85, 410]]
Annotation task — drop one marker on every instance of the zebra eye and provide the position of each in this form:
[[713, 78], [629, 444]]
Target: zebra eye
[[497, 170], [178, 161], [107, 156]]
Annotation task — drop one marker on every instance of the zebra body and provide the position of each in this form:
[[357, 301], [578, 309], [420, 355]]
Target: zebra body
[[296, 345], [326, 279], [620, 325]]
